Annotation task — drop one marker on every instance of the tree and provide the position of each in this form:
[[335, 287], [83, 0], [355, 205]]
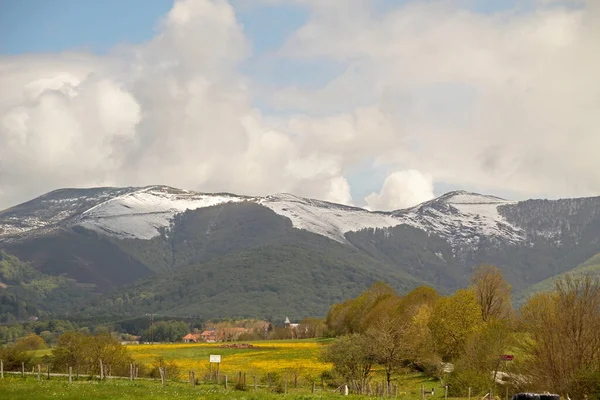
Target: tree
[[480, 361], [387, 342], [352, 360], [452, 321], [84, 351], [311, 328], [351, 316], [563, 337], [492, 292], [33, 342]]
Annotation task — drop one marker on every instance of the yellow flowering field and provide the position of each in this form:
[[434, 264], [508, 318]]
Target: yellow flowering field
[[283, 357]]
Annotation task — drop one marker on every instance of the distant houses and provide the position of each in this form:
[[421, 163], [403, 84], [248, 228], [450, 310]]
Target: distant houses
[[191, 338], [215, 335], [229, 332]]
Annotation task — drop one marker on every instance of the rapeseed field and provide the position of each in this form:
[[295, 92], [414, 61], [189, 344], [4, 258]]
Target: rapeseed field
[[300, 358]]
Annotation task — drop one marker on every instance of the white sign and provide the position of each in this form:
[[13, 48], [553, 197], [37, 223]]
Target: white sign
[[215, 358]]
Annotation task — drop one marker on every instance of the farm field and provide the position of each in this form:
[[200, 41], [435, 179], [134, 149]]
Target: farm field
[[281, 357]]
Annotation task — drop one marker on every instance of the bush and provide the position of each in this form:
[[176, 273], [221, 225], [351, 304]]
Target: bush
[[585, 384], [463, 378], [15, 354], [84, 352], [33, 342]]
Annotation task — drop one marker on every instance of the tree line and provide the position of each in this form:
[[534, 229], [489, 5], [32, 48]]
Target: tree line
[[464, 338]]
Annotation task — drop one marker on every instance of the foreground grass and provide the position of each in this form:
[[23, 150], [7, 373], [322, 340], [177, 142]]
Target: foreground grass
[[18, 388]]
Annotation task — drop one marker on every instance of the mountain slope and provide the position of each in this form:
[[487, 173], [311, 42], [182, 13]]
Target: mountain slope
[[149, 246], [297, 275], [591, 268]]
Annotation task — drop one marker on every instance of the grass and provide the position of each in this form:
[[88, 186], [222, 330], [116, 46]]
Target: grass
[[283, 359], [18, 388]]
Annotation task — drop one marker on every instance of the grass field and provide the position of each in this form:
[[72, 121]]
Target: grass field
[[284, 360], [16, 388]]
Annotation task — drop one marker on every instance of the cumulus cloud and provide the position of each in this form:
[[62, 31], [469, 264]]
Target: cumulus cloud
[[500, 101], [171, 111], [402, 189]]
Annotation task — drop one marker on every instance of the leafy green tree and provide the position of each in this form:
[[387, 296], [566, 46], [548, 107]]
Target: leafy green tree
[[352, 360], [452, 321], [479, 363], [353, 315]]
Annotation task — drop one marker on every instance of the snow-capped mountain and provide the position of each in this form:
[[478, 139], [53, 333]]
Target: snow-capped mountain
[[169, 249], [141, 213]]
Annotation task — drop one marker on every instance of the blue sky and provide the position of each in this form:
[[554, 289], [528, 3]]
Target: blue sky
[[59, 25]]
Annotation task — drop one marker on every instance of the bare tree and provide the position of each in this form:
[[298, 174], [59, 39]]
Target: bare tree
[[564, 336], [492, 292]]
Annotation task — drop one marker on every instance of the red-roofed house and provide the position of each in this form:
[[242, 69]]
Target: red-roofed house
[[191, 338], [209, 336]]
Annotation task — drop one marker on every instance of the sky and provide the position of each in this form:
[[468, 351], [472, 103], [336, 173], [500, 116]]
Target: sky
[[381, 104]]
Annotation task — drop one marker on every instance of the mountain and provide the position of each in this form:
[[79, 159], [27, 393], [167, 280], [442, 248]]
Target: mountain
[[133, 250]]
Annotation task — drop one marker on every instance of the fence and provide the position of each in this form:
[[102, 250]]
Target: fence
[[240, 381]]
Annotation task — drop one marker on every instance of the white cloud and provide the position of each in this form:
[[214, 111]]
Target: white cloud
[[402, 189], [171, 111], [505, 101]]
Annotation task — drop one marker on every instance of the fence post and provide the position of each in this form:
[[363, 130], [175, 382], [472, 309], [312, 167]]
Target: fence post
[[268, 379], [506, 392], [39, 373], [469, 398], [70, 374], [255, 388], [446, 392], [23, 369], [313, 387], [322, 384], [225, 382], [193, 379], [101, 370], [48, 371], [2, 369], [285, 386]]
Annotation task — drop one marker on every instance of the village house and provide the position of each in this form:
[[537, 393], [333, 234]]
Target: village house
[[191, 338]]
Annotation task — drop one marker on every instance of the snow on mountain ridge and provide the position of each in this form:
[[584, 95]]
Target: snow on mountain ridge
[[326, 219], [141, 214], [463, 218], [459, 217]]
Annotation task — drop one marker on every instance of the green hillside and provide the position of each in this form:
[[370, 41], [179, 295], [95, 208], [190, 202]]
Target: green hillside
[[590, 267]]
